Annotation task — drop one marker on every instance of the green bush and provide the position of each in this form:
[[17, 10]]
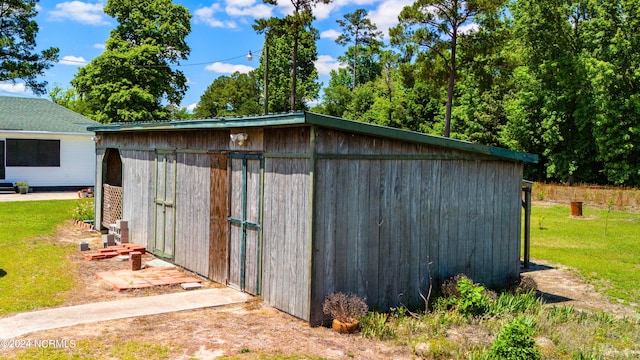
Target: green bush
[[83, 210], [515, 341], [468, 299]]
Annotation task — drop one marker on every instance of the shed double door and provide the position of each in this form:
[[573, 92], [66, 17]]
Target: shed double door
[[244, 222], [164, 203]]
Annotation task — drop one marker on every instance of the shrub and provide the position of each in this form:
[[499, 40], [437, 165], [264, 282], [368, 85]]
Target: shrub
[[467, 298], [515, 341], [345, 308], [83, 211]]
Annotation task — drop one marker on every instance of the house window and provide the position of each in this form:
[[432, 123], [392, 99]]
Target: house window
[[32, 152]]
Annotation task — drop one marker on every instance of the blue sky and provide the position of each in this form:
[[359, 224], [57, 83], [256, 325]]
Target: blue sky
[[221, 36]]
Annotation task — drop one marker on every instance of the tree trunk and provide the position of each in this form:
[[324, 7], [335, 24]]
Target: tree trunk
[[294, 70], [452, 80], [355, 60]]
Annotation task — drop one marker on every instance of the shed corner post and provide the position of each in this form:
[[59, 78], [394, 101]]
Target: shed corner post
[[526, 204], [310, 257]]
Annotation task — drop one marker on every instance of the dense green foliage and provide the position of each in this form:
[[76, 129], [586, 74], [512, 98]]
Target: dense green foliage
[[18, 59], [558, 78], [133, 76], [237, 94]]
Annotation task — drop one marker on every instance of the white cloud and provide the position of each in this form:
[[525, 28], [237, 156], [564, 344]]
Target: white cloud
[[330, 34], [206, 15], [192, 107], [324, 11], [255, 11], [222, 68], [326, 63], [386, 14], [82, 12], [12, 88], [467, 29], [100, 46], [73, 60]]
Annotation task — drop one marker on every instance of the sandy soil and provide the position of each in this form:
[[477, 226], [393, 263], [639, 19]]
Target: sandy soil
[[245, 330]]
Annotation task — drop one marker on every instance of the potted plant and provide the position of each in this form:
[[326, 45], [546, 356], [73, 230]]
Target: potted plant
[[23, 187], [345, 311]]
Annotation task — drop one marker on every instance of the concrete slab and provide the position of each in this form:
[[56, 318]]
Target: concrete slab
[[39, 196], [191, 286], [159, 263], [25, 323]]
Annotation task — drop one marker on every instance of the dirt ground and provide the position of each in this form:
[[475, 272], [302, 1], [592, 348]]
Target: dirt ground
[[251, 328]]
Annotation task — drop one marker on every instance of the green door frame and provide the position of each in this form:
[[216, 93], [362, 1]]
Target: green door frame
[[160, 200], [244, 223]]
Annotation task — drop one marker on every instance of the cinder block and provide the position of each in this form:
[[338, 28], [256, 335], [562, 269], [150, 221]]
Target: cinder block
[[84, 246]]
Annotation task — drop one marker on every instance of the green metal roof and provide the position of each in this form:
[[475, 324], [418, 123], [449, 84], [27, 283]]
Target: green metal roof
[[308, 118], [40, 115]]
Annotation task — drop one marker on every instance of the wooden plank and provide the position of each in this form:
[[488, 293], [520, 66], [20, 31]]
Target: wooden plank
[[414, 231], [253, 216], [343, 222], [218, 235], [192, 210], [371, 241], [324, 223]]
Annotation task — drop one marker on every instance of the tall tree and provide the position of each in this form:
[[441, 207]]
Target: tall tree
[[133, 76], [358, 32], [295, 25], [18, 31], [435, 25], [69, 98], [614, 71], [554, 101], [233, 95], [286, 80]]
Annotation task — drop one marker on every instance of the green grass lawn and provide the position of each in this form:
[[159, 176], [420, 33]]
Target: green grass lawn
[[603, 245], [34, 269]]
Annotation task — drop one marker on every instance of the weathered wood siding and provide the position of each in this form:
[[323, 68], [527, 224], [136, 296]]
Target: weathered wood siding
[[286, 227], [138, 181], [97, 190], [192, 212], [383, 224], [219, 232], [192, 206]]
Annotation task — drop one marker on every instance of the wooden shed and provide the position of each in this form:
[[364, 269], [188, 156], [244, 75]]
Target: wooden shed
[[292, 207]]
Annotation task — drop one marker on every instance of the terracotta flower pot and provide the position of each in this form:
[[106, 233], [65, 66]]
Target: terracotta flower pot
[[345, 328]]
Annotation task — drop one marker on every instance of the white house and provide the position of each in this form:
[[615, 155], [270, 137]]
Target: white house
[[45, 145]]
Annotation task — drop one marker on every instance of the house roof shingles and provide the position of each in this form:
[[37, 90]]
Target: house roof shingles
[[40, 115]]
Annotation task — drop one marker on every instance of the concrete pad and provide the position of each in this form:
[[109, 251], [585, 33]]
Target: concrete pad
[[40, 196], [159, 263], [25, 323], [191, 286]]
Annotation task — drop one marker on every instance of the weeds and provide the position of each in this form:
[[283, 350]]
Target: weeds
[[515, 341], [374, 326]]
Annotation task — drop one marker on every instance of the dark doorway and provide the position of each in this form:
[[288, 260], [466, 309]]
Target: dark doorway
[[111, 187]]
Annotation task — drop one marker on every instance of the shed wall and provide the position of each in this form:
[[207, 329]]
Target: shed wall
[[192, 205], [138, 181], [192, 212], [286, 221], [383, 224]]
